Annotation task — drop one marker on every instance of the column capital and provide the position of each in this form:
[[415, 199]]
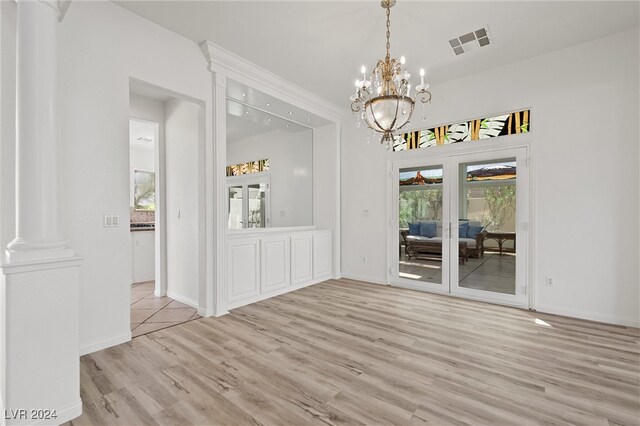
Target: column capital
[[60, 7], [220, 80]]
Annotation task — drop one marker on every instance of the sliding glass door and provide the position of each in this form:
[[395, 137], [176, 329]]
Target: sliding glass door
[[461, 223]]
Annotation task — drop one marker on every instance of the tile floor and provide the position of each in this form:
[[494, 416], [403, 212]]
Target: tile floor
[[150, 313], [492, 272]]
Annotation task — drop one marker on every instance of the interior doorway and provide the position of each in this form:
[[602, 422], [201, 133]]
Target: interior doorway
[[461, 225], [166, 208]]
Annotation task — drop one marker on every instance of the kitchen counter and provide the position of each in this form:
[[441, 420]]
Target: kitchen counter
[[145, 226]]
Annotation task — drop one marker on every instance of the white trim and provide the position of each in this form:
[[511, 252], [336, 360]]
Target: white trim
[[65, 413], [219, 167], [182, 299], [108, 342], [40, 265], [589, 315], [208, 312], [337, 243], [253, 232], [279, 292], [497, 143], [243, 71]]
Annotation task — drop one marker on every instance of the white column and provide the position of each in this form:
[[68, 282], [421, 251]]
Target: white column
[[38, 234], [39, 281]]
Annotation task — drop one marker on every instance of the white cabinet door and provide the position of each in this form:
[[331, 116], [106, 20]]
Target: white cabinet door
[[243, 269], [301, 258], [321, 255], [275, 262], [143, 253]]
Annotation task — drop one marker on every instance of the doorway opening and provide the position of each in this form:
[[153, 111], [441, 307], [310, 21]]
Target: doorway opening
[[166, 142]]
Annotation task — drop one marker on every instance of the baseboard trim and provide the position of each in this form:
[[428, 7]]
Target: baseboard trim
[[279, 292], [66, 413], [105, 343], [589, 315], [182, 299], [205, 312], [364, 278]]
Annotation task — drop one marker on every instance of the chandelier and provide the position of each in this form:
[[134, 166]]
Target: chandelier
[[384, 99]]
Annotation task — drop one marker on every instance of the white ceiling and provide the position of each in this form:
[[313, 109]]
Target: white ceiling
[[320, 45]]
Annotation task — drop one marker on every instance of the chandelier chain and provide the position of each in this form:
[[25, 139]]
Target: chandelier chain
[[388, 33], [383, 99]]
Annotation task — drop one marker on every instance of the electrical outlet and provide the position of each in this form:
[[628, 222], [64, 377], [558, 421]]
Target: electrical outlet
[[548, 281]]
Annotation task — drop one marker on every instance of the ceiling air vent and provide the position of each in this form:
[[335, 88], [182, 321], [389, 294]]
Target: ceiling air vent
[[469, 41]]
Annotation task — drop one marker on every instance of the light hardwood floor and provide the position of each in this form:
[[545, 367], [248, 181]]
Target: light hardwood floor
[[344, 352]]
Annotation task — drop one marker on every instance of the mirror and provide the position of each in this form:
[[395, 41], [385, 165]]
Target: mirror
[[269, 167]]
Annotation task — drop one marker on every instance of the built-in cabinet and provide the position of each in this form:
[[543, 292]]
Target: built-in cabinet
[[301, 259], [243, 266], [263, 266], [275, 263]]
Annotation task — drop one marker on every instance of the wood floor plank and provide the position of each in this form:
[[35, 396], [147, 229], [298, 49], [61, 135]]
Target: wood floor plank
[[345, 352]]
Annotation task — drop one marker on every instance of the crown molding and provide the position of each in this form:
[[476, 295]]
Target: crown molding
[[222, 61]]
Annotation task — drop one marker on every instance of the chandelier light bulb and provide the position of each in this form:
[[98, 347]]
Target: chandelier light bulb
[[402, 60], [422, 72], [363, 70]]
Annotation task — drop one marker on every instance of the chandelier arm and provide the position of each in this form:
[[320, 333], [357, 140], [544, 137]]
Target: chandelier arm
[[423, 96], [356, 106]]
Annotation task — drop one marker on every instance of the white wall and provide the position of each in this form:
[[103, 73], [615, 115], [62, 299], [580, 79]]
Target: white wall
[[585, 183], [291, 168], [183, 142], [100, 47]]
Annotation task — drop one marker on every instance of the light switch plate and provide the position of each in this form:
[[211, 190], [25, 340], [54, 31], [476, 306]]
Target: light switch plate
[[111, 221]]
